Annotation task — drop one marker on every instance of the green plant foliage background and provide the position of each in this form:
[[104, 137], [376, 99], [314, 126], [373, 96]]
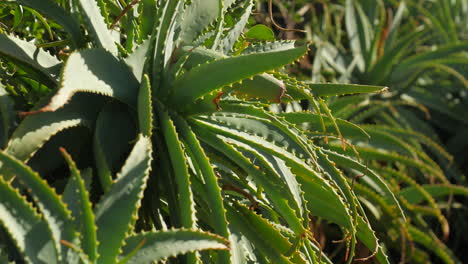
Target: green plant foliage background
[[233, 131]]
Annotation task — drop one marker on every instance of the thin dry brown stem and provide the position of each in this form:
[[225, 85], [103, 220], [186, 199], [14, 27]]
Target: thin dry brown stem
[[124, 11], [370, 256], [311, 236], [403, 246], [229, 187], [357, 177], [270, 13]]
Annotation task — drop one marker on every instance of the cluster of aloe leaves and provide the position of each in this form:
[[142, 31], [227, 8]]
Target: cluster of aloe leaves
[[418, 49], [167, 115]]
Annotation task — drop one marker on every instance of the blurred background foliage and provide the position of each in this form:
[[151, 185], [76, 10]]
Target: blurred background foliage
[[418, 49]]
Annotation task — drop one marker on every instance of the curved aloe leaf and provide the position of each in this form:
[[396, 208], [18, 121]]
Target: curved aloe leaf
[[285, 200], [83, 213], [95, 24], [180, 167], [36, 129], [312, 122], [116, 212], [95, 71], [145, 108], [432, 243], [333, 89], [269, 47], [198, 15], [412, 195], [367, 236], [28, 54], [158, 246], [350, 163], [55, 212], [196, 83], [259, 230], [114, 130], [137, 59], [263, 86], [330, 169], [213, 191], [27, 229]]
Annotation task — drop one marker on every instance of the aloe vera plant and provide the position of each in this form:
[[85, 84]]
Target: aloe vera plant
[[176, 91], [387, 48]]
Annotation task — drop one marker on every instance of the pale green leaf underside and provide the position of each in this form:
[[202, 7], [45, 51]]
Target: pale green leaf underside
[[36, 129], [28, 54], [95, 71]]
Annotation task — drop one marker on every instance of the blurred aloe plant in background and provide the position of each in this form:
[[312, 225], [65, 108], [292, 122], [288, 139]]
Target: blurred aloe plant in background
[[417, 49], [192, 143]]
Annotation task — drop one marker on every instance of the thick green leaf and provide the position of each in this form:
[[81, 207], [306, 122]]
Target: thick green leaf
[[181, 172], [268, 46], [116, 212], [367, 236], [158, 246], [260, 231], [412, 195], [114, 130], [137, 59], [432, 243], [95, 71], [311, 121], [55, 212], [260, 32], [196, 83], [332, 89], [263, 128], [269, 176], [94, 23], [347, 162], [213, 191], [331, 170], [83, 217], [27, 54], [36, 129], [198, 15], [145, 108], [27, 229], [162, 42], [264, 86]]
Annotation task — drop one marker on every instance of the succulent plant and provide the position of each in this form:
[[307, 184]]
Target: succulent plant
[[167, 106]]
